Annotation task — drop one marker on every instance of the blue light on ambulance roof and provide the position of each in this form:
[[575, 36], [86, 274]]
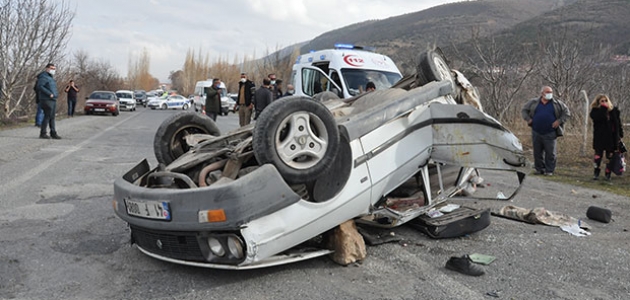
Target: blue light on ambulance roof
[[344, 46], [322, 57], [310, 59]]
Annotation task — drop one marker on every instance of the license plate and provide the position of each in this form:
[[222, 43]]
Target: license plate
[[148, 209], [99, 109]]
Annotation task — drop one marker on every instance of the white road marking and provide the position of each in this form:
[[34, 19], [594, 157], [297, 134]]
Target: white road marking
[[26, 177]]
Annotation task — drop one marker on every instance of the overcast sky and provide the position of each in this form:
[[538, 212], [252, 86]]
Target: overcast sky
[[112, 30]]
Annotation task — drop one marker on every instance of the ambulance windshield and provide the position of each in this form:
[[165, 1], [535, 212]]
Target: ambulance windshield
[[356, 79]]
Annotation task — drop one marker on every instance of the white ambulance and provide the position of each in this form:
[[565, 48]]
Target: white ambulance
[[344, 71]]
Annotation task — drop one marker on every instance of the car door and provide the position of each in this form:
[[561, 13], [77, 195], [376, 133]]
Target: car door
[[315, 81]]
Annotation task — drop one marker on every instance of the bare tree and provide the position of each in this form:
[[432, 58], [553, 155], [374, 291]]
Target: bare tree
[[569, 66], [138, 75], [502, 71], [32, 33], [195, 68]]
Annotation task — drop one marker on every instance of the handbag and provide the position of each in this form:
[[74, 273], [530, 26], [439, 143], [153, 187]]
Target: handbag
[[622, 147], [618, 163]]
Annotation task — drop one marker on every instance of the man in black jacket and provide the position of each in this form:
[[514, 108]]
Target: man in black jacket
[[47, 95], [263, 97], [246, 88], [213, 99]]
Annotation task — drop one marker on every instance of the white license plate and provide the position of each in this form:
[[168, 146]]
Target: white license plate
[[99, 109], [148, 209]]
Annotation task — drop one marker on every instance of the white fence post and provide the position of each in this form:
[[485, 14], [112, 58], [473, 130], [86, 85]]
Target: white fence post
[[586, 117]]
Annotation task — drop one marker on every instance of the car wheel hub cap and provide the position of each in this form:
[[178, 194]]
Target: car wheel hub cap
[[305, 141]]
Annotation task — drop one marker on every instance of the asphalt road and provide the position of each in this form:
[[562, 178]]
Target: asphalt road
[[59, 237]]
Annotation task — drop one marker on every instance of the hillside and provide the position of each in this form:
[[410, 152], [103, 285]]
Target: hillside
[[401, 37], [596, 23]]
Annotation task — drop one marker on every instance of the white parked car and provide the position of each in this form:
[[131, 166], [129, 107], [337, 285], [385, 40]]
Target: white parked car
[[169, 102], [249, 198], [127, 100]]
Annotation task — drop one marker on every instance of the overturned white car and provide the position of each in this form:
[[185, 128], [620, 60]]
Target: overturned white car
[[251, 198]]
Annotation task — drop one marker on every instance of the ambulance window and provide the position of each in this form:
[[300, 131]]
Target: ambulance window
[[335, 77], [356, 79], [323, 66], [313, 81]]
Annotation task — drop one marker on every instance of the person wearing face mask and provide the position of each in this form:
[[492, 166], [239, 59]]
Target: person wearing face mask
[[213, 99], [246, 89], [607, 132], [290, 90], [47, 95], [273, 85], [546, 115]]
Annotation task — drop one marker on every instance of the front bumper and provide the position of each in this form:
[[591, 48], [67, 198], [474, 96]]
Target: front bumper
[[185, 237], [99, 110], [127, 105]]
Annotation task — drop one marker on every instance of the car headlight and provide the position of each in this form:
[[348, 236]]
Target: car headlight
[[216, 247], [89, 104], [235, 246]]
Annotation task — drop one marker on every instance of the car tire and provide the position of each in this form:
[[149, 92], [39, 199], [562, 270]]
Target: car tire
[[116, 113], [164, 106], [170, 139], [433, 67], [185, 107], [298, 136]]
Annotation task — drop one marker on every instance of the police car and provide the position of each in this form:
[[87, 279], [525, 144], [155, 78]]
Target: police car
[[169, 102]]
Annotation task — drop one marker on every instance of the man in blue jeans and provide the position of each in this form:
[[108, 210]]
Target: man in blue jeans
[[72, 90], [39, 115], [47, 95], [546, 115]]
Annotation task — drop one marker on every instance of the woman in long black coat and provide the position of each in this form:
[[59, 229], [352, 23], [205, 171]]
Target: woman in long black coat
[[607, 132]]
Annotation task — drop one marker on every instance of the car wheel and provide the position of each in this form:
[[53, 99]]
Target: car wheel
[[433, 67], [115, 114], [298, 136], [170, 139], [185, 107], [164, 106]]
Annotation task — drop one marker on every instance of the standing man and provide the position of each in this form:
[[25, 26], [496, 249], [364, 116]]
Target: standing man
[[72, 91], [546, 116], [213, 99], [263, 97], [278, 91], [290, 90], [47, 95], [246, 88], [272, 85]]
